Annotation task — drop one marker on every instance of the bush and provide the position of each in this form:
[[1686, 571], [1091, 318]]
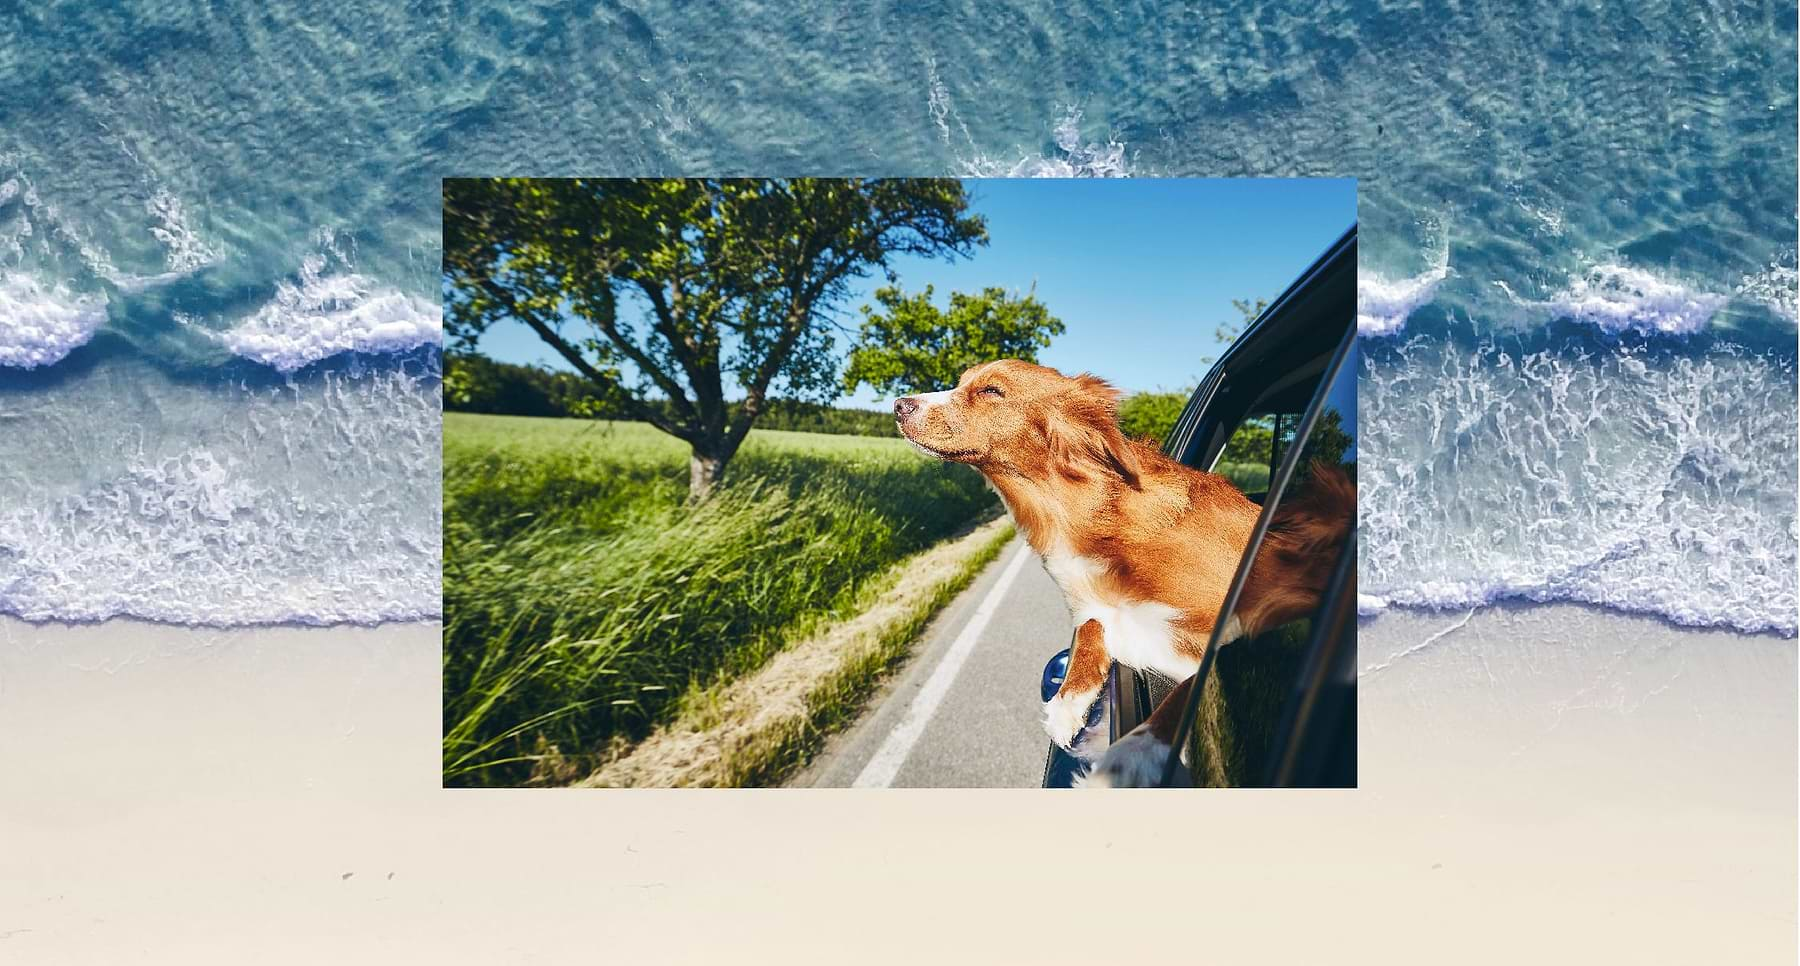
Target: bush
[[1151, 415]]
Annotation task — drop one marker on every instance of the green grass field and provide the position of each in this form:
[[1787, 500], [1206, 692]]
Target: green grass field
[[583, 599]]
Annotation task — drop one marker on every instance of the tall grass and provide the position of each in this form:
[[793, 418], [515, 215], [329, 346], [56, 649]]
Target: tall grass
[[582, 599]]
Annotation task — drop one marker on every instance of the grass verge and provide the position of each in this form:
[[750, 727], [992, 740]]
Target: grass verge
[[585, 604], [757, 729]]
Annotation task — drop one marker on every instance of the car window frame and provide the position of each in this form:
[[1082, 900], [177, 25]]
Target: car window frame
[[1278, 489]]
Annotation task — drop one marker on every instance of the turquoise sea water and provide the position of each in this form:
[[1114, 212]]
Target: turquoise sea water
[[218, 244]]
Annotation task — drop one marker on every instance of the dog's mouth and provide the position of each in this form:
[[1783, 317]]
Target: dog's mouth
[[934, 452]]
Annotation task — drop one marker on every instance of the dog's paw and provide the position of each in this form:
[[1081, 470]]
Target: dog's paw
[[1065, 716], [1134, 761]]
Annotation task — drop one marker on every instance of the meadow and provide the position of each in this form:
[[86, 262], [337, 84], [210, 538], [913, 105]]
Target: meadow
[[584, 601]]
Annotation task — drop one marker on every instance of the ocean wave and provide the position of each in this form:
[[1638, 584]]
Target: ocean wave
[[1383, 305], [1074, 157], [40, 324], [1651, 477], [324, 314], [1368, 605], [313, 501], [1621, 298], [1384, 302], [1775, 286], [187, 252]]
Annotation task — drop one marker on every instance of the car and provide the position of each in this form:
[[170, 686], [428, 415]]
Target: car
[[1278, 709]]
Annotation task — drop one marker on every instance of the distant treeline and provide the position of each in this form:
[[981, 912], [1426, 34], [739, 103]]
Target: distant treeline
[[474, 383]]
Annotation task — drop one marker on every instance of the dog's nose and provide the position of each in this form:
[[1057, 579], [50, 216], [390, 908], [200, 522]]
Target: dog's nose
[[905, 406]]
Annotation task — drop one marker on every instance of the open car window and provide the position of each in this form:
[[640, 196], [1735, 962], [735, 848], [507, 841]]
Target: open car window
[[1246, 698]]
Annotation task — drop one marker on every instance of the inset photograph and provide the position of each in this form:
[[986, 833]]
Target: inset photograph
[[899, 483]]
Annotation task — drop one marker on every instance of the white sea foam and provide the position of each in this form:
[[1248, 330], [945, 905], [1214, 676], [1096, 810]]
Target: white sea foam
[[1649, 478], [310, 502], [187, 251], [1076, 158], [40, 324], [1776, 286], [1368, 605], [1619, 298], [323, 314], [1383, 305]]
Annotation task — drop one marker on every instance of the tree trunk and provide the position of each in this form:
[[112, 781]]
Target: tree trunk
[[705, 467]]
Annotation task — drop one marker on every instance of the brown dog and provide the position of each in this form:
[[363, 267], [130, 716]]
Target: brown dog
[[1143, 547]]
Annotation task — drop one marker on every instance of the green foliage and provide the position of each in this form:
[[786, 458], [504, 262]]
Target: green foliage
[[1151, 415], [910, 345], [582, 597], [1228, 331], [724, 282], [1328, 442], [476, 384], [1251, 442]]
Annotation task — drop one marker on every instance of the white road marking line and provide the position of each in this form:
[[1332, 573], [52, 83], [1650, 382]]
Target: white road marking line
[[881, 769]]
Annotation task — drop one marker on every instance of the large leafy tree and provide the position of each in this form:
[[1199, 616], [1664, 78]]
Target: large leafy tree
[[670, 294], [910, 345]]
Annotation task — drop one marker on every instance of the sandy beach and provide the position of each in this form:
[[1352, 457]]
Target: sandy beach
[[1538, 784]]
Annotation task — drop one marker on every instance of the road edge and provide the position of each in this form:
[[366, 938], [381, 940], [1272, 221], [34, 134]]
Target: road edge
[[765, 726]]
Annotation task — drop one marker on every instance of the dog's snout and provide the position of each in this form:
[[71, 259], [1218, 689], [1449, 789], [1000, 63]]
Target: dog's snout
[[905, 406]]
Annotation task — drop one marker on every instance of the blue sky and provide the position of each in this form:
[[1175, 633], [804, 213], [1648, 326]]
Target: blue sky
[[1139, 270]]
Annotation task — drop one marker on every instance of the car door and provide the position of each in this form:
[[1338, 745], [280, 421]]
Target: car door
[[1279, 708]]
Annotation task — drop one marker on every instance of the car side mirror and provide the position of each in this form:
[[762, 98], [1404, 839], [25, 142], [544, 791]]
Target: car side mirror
[[1055, 670]]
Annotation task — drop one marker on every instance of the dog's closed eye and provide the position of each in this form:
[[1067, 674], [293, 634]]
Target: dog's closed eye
[[990, 391]]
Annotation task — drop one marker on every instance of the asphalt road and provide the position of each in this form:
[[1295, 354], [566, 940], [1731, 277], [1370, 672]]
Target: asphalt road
[[963, 712]]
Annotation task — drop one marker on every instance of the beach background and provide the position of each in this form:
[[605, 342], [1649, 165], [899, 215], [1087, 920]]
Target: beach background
[[1578, 559], [1538, 783]]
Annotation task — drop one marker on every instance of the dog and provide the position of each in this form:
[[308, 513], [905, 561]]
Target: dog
[[1143, 547]]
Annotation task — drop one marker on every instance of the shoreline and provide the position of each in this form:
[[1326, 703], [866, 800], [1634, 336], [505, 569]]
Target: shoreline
[[1378, 606]]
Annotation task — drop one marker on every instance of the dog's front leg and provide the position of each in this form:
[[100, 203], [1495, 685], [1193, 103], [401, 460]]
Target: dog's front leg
[[1138, 759], [1066, 713]]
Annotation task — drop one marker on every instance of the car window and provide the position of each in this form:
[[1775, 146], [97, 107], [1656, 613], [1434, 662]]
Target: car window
[[1262, 423], [1254, 451], [1252, 677]]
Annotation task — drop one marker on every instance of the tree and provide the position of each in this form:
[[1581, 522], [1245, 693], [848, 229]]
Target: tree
[[474, 383], [665, 292], [1227, 332], [912, 346], [1151, 415]]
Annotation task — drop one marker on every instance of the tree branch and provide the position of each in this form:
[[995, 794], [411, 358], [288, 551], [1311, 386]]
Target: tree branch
[[569, 352], [703, 378]]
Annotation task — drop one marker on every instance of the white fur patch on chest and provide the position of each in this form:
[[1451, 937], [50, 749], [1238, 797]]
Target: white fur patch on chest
[[1138, 633]]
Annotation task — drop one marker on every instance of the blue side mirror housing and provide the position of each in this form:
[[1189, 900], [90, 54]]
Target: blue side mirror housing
[[1055, 670]]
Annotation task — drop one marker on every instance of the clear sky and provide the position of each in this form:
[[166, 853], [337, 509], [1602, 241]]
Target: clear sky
[[1139, 270]]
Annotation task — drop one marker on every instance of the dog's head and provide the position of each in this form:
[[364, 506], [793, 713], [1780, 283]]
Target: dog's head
[[1025, 419]]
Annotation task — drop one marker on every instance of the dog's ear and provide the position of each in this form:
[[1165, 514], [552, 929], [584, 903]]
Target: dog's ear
[[1084, 433]]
